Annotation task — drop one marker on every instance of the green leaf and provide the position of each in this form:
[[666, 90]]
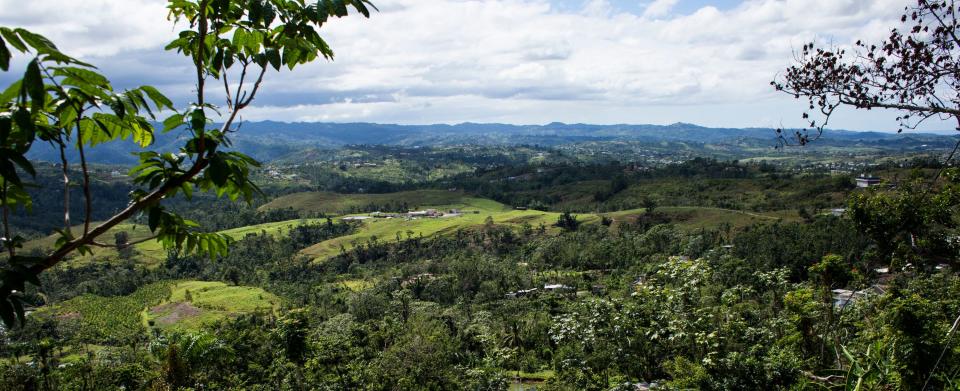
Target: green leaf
[[218, 171], [17, 196], [153, 220], [82, 74], [159, 100], [11, 92], [11, 37], [172, 122], [24, 164], [27, 129], [7, 313], [65, 236], [240, 37], [255, 12], [4, 57], [9, 173], [39, 43], [198, 120], [273, 56], [187, 190], [33, 82]]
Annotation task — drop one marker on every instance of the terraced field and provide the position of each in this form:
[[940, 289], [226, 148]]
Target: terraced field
[[164, 305], [192, 304], [108, 318]]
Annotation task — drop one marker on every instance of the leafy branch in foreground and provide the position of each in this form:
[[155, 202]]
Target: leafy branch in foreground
[[65, 102], [915, 71]]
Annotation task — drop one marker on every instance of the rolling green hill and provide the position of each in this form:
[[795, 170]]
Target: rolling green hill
[[475, 211], [333, 203], [388, 229], [691, 217]]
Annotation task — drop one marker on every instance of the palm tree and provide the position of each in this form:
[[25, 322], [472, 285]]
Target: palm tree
[[185, 355]]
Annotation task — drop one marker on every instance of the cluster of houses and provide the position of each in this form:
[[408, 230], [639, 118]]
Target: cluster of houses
[[411, 215], [844, 297]]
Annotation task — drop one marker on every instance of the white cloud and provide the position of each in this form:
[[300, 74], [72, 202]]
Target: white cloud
[[659, 8], [92, 28], [597, 8], [523, 61]]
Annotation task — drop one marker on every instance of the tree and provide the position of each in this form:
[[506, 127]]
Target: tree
[[915, 71], [121, 240], [64, 102], [567, 222], [649, 204]]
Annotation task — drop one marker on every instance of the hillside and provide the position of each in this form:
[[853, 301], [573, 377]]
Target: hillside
[[336, 204], [269, 140], [473, 212]]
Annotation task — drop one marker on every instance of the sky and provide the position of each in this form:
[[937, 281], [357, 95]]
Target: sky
[[508, 61]]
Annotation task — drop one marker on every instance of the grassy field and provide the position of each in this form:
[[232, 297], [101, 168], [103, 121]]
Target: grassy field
[[193, 304], [357, 285], [333, 203], [150, 256], [388, 229], [153, 250]]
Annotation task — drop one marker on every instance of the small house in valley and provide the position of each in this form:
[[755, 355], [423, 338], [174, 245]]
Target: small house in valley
[[864, 181]]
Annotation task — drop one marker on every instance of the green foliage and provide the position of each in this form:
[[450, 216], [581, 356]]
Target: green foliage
[[65, 102], [832, 271], [911, 224], [190, 358], [111, 319], [567, 222]]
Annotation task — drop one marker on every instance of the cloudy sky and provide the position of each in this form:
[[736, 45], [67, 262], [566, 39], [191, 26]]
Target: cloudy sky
[[707, 62]]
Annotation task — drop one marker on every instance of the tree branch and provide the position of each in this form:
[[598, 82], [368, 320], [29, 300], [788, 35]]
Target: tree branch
[[226, 89], [156, 195], [7, 240], [123, 245], [88, 202], [201, 76], [256, 87], [128, 212], [66, 186]]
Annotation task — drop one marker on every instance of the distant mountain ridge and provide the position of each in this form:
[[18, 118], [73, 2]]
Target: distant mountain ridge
[[268, 140]]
